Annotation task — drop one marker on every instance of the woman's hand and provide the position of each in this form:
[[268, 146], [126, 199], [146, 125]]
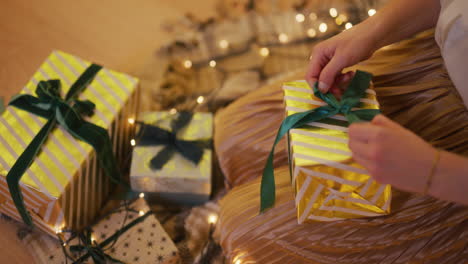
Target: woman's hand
[[392, 154], [331, 56]]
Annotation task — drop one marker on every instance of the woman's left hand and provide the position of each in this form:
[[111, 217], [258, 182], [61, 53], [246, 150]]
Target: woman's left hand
[[392, 154]]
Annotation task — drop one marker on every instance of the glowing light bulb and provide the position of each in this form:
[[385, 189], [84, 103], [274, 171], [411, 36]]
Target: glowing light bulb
[[133, 142], [300, 18], [141, 213], [323, 27], [64, 244], [212, 63], [313, 16], [212, 219], [371, 12], [283, 38], [141, 195], [200, 99], [333, 12], [93, 239], [58, 230], [187, 64], [173, 111], [224, 44], [131, 121], [264, 52], [348, 25], [238, 262], [311, 32], [341, 19]]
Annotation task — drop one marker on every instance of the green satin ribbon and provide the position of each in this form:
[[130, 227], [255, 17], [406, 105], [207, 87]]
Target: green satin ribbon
[[355, 91], [68, 114], [97, 250]]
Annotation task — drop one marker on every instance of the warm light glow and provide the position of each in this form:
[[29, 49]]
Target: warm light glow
[[264, 52], [300, 18], [187, 64], [311, 32], [371, 12], [223, 44], [341, 19], [140, 213], [283, 38], [133, 142], [141, 195], [131, 121], [93, 239], [212, 219], [212, 63], [323, 27], [64, 244], [58, 230], [200, 99], [237, 262], [173, 111], [333, 12], [348, 25], [313, 16]]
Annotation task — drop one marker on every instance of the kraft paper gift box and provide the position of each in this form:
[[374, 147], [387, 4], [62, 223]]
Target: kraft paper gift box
[[329, 185], [65, 186], [144, 242], [180, 180]]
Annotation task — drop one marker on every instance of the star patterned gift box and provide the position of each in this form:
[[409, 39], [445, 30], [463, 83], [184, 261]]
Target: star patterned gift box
[[144, 243]]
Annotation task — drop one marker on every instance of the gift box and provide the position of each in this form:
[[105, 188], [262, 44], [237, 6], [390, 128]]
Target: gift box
[[329, 184], [142, 240], [172, 156], [65, 185]]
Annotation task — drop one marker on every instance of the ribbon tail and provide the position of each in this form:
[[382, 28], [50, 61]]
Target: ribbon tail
[[363, 115], [99, 139], [267, 186], [21, 165], [190, 150], [158, 161]]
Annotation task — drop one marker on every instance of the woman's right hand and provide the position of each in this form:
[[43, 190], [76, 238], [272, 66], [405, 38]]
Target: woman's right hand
[[331, 56]]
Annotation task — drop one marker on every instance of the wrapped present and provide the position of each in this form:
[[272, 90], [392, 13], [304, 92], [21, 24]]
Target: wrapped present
[[128, 235], [329, 184], [49, 172], [172, 157]]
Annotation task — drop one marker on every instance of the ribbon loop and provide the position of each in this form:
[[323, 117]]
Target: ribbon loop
[[351, 98]]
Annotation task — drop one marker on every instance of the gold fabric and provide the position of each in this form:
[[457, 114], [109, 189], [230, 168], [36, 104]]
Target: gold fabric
[[413, 89]]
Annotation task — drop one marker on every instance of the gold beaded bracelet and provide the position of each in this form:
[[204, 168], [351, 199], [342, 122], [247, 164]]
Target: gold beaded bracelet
[[432, 172]]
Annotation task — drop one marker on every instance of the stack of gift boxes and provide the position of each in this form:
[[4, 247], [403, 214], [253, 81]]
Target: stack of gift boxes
[[66, 140]]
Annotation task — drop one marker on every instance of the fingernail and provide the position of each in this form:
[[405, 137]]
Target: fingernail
[[323, 87]]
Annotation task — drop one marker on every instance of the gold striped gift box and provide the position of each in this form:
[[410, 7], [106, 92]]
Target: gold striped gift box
[[329, 185], [64, 187]]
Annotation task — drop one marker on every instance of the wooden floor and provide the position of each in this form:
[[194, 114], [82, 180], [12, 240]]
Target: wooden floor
[[120, 34]]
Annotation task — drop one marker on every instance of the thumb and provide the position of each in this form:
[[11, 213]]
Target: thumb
[[383, 121], [329, 73]]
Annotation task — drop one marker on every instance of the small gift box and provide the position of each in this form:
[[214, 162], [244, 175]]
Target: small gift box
[[128, 235], [329, 184], [49, 173], [172, 156]]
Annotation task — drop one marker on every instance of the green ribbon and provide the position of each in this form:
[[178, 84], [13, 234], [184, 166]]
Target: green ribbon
[[192, 150], [355, 91], [96, 250], [67, 113]]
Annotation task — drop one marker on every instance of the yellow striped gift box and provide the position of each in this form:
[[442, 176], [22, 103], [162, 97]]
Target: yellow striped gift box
[[65, 187], [329, 185]]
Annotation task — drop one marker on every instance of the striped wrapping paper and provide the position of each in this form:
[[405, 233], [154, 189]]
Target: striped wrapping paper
[[329, 185], [64, 187]]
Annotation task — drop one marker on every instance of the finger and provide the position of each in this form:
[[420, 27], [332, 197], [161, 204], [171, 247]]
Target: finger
[[329, 73], [364, 132], [316, 64], [383, 121], [344, 80]]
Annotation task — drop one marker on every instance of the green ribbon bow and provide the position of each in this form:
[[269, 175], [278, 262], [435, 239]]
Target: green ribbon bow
[[97, 250], [68, 114], [355, 91], [151, 135]]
